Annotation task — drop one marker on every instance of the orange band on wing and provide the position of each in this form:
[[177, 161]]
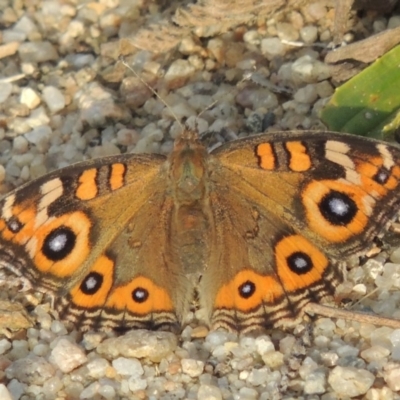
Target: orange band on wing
[[299, 159], [267, 156], [299, 263], [140, 296], [117, 176], [101, 274], [266, 289], [87, 187]]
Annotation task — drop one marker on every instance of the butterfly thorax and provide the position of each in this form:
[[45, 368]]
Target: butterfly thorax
[[191, 216]]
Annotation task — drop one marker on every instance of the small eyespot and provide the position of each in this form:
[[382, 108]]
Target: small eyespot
[[140, 295], [299, 262], [59, 243], [381, 176], [14, 225], [247, 289], [338, 208], [92, 283]]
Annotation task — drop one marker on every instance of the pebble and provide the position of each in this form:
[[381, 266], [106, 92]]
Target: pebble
[[32, 370], [140, 344], [209, 392], [350, 381], [37, 52], [53, 98], [193, 368], [4, 393], [67, 356], [309, 34], [128, 367], [29, 97], [5, 91], [272, 47]]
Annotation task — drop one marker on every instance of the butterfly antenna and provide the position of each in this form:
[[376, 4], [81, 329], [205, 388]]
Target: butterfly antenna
[[123, 61], [246, 77]]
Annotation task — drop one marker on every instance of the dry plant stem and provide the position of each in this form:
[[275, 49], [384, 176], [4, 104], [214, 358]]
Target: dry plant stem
[[331, 312]]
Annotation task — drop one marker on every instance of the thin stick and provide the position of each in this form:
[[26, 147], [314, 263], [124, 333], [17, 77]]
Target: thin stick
[[361, 317]]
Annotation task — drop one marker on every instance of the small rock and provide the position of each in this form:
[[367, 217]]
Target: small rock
[[53, 98], [37, 52], [272, 47], [67, 356], [140, 344], [5, 91], [391, 374], [209, 392], [98, 367], [178, 74], [32, 370], [350, 381], [16, 389], [4, 393], [128, 367], [29, 97], [193, 368]]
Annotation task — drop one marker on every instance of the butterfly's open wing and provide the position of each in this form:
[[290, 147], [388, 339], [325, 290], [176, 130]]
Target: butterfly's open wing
[[288, 210], [93, 235]]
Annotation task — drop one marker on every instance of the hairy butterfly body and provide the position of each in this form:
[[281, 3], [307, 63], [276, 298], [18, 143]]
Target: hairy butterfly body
[[259, 227]]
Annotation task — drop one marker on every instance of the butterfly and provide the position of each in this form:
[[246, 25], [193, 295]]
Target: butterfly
[[257, 229]]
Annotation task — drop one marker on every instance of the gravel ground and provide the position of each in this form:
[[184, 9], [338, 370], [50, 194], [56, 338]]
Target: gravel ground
[[64, 97]]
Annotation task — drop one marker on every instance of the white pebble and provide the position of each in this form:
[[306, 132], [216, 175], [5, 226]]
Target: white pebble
[[5, 345], [209, 392], [391, 374], [98, 367], [54, 99], [90, 391], [4, 393], [29, 97], [5, 91], [67, 356], [272, 47], [307, 94], [128, 367], [307, 69], [39, 135], [107, 391], [350, 381], [136, 384], [193, 368], [309, 34]]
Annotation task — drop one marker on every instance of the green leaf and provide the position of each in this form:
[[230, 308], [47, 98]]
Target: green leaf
[[369, 103]]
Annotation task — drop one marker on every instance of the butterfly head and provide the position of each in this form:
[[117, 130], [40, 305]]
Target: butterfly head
[[188, 168]]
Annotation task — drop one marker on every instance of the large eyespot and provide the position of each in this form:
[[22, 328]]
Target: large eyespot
[[59, 243], [338, 208], [92, 283]]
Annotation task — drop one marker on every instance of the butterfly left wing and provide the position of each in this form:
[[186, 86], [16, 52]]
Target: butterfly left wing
[[288, 210], [90, 235]]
